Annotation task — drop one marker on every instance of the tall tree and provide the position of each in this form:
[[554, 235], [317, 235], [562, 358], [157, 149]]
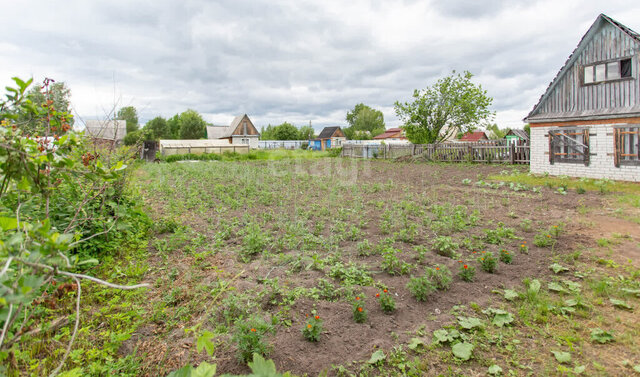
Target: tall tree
[[286, 131], [364, 122], [496, 132], [158, 128], [58, 93], [306, 132], [192, 126], [173, 124], [453, 104], [129, 114]]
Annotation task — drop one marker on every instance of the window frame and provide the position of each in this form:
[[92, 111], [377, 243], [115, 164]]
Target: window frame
[[605, 63], [558, 138], [620, 145]]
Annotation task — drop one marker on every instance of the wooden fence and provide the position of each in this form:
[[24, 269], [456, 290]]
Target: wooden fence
[[492, 151]]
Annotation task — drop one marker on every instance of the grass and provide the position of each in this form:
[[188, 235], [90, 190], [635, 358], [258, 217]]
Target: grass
[[270, 154]]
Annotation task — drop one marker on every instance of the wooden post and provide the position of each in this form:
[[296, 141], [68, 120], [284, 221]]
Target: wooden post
[[512, 151]]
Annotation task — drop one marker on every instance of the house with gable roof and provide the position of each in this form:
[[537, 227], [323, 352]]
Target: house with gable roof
[[241, 131], [587, 122]]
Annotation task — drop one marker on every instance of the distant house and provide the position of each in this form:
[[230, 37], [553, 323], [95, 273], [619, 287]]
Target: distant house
[[107, 131], [587, 123], [240, 131], [392, 134], [514, 136], [330, 137], [472, 137]]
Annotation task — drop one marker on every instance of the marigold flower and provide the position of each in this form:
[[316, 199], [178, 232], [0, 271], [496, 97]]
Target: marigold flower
[[481, 258], [459, 261], [309, 326], [317, 317], [357, 298], [377, 294], [548, 235], [253, 330], [384, 290], [437, 268], [465, 266], [359, 309], [555, 226], [483, 252]]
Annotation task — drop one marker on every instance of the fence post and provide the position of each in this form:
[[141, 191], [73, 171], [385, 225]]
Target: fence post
[[512, 150]]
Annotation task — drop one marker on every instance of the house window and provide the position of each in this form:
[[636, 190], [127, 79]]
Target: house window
[[244, 141], [626, 146], [569, 145], [607, 71]]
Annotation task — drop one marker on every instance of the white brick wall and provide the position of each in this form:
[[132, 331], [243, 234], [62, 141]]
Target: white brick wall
[[600, 166]]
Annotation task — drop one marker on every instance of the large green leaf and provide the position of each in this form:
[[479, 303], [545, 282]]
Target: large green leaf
[[462, 351], [377, 357], [8, 223], [204, 370], [562, 357], [470, 323], [205, 341]]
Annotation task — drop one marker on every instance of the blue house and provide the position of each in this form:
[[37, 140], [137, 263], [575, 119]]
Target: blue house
[[330, 137]]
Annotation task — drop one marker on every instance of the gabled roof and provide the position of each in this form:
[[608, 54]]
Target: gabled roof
[[474, 136], [328, 132], [391, 132], [520, 133], [595, 27], [220, 132], [107, 130]]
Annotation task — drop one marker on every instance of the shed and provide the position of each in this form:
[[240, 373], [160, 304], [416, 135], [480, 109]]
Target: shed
[[330, 137], [587, 122], [110, 131], [515, 136], [200, 146], [240, 131]]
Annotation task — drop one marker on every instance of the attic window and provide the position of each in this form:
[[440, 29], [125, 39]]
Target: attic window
[[607, 71]]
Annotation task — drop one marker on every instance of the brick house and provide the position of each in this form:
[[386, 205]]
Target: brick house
[[587, 123]]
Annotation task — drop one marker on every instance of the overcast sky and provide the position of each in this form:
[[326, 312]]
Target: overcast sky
[[292, 60]]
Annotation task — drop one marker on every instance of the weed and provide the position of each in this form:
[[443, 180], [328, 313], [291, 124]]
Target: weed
[[364, 248], [421, 287], [440, 276], [391, 264], [445, 246], [543, 239], [255, 241]]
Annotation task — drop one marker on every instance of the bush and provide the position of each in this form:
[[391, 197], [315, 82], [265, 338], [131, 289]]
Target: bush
[[488, 263], [440, 276], [334, 152], [467, 273], [312, 329], [421, 287], [249, 338], [387, 303], [254, 242]]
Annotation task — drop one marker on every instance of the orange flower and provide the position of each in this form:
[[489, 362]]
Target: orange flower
[[548, 235], [309, 326], [317, 317], [465, 266], [483, 252], [357, 298], [437, 268], [481, 258], [475, 252], [459, 261], [377, 294], [555, 226], [253, 330], [524, 241], [359, 309], [384, 290]]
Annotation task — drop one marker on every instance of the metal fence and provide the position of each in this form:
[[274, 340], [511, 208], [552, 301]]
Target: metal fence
[[499, 151], [283, 144]]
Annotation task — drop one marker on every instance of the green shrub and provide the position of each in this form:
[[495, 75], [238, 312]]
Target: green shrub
[[467, 273], [543, 239], [255, 241], [421, 287], [391, 264], [387, 303], [312, 329], [440, 276], [488, 262], [249, 338]]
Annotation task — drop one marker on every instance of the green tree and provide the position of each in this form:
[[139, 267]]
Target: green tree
[[527, 129], [453, 104], [173, 124], [129, 114], [496, 132], [192, 126], [364, 122], [267, 133], [58, 93], [307, 132], [286, 131], [158, 128]]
